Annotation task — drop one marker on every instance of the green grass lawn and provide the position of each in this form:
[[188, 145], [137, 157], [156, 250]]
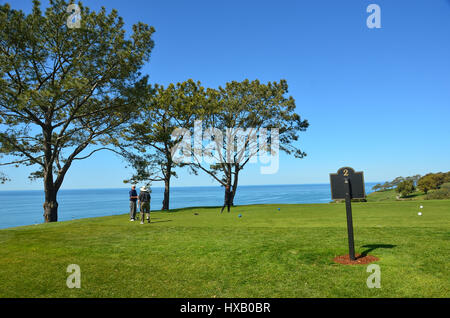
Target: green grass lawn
[[265, 253]]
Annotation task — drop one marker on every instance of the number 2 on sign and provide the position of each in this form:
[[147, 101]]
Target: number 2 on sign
[[345, 172]]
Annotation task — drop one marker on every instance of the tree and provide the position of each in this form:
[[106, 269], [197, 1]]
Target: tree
[[405, 187], [150, 136], [3, 177], [377, 187], [64, 89], [414, 178], [387, 185], [243, 110], [396, 181], [430, 181]]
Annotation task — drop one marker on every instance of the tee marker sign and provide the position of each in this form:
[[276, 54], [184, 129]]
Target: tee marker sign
[[348, 184]]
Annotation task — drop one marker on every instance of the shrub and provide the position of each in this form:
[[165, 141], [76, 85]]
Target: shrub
[[443, 193], [359, 200], [353, 200], [447, 177]]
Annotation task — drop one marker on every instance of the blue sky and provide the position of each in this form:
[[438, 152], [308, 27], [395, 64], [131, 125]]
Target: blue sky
[[377, 100]]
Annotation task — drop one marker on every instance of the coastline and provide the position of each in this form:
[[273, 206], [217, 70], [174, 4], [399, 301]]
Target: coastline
[[24, 207]]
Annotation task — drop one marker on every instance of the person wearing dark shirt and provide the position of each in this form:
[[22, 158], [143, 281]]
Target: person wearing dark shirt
[[227, 202], [144, 203], [133, 198]]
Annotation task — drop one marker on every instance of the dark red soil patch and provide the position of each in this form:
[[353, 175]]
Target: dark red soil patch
[[360, 259]]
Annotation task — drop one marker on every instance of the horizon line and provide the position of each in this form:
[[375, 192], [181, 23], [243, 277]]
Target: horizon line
[[190, 186]]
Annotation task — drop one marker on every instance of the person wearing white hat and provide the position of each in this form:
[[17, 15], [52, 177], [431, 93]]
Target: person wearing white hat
[[144, 203]]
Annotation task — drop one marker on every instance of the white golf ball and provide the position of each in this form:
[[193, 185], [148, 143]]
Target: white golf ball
[[421, 206], [420, 213]]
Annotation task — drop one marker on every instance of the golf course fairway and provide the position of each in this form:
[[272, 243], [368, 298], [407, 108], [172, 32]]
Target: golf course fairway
[[270, 251]]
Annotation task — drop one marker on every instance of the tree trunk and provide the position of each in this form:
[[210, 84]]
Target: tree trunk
[[50, 204], [166, 200], [166, 195], [235, 184], [229, 175], [50, 189], [233, 192]]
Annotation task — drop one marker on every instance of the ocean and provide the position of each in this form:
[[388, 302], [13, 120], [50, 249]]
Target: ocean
[[19, 208]]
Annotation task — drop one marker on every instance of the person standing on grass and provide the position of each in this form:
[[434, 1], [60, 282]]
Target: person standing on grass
[[227, 199], [144, 203], [133, 198]]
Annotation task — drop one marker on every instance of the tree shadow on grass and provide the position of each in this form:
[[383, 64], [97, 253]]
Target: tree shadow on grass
[[372, 247], [160, 221], [190, 209]]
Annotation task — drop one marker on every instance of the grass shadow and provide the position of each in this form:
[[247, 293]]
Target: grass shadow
[[372, 247], [190, 209], [160, 221]]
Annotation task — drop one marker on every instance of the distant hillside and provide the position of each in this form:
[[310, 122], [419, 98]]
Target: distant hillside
[[432, 186]]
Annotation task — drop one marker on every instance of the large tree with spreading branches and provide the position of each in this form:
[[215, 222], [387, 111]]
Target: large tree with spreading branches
[[240, 119], [64, 86], [147, 144]]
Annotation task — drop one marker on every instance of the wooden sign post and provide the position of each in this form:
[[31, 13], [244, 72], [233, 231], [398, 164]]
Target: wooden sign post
[[348, 184]]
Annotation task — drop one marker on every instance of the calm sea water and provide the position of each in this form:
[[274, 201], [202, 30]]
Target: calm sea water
[[19, 208]]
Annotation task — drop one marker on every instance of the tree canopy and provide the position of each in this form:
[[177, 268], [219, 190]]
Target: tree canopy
[[405, 187], [62, 90], [147, 143], [246, 111], [432, 181]]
